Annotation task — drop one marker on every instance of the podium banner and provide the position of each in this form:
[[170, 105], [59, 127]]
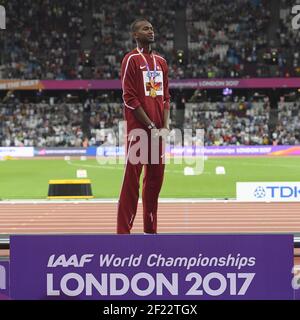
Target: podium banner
[[152, 267]]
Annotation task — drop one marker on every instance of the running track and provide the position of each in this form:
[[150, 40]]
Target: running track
[[173, 217]]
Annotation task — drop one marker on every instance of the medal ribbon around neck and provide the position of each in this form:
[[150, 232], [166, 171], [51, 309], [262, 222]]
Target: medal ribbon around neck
[[148, 69]]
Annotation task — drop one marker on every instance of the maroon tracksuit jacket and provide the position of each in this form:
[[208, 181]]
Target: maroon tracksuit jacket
[[136, 92]]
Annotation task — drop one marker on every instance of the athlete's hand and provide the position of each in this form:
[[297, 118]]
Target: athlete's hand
[[164, 132], [155, 132]]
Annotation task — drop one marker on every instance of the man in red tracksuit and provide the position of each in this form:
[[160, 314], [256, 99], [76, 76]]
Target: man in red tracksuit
[[144, 76]]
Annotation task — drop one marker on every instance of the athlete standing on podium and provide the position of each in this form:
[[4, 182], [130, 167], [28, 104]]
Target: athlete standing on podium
[[144, 76]]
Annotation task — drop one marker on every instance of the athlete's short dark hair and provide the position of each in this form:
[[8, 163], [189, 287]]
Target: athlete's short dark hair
[[134, 24]]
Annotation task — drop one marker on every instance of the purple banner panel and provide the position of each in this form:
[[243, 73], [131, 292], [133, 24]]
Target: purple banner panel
[[4, 280], [57, 152], [159, 267], [236, 83], [17, 84], [257, 150], [218, 151], [66, 84], [81, 84], [182, 83]]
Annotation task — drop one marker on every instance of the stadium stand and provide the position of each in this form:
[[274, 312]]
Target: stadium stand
[[41, 41], [287, 130], [88, 38], [231, 121], [227, 38]]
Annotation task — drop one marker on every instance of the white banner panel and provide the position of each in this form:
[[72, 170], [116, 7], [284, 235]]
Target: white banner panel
[[16, 152], [268, 191]]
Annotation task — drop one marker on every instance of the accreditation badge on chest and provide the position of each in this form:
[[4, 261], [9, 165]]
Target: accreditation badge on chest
[[153, 83]]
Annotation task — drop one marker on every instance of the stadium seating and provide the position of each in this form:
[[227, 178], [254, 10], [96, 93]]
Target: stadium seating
[[232, 121], [88, 38], [287, 130]]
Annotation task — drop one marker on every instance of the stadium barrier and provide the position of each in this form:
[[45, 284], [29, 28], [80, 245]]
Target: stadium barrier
[[268, 191], [236, 83], [216, 151], [61, 152], [13, 152]]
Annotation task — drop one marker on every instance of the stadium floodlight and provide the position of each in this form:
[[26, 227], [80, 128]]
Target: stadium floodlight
[[227, 91], [180, 56]]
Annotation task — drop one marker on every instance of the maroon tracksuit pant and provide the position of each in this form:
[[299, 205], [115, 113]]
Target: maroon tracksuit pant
[[128, 201]]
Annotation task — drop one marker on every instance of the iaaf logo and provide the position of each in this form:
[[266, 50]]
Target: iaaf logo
[[2, 278], [277, 192], [2, 18]]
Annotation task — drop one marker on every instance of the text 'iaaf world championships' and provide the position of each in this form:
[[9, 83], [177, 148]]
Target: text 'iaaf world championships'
[[153, 260]]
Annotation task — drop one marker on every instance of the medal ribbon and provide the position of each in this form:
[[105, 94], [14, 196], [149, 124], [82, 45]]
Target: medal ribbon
[[148, 69]]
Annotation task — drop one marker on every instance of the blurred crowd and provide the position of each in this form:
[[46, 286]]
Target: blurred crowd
[[60, 39], [111, 31], [225, 38], [87, 39], [41, 40], [41, 125], [287, 130], [58, 124], [233, 120]]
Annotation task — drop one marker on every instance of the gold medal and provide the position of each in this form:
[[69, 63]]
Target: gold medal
[[152, 92], [152, 76]]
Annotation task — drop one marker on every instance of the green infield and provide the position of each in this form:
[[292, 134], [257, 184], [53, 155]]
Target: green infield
[[28, 179]]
